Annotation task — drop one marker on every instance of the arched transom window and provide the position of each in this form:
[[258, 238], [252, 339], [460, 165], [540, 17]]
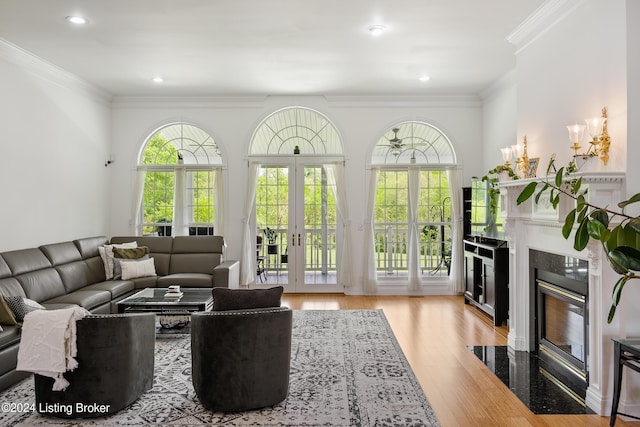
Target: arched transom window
[[180, 141], [179, 182], [413, 143], [284, 130]]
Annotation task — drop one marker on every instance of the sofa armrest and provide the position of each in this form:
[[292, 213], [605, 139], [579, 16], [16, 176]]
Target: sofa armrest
[[227, 274]]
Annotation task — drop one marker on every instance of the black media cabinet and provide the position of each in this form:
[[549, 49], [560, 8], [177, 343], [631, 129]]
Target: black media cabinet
[[486, 276]]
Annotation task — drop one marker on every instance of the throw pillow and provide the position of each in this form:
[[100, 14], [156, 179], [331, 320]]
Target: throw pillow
[[130, 253], [19, 308], [106, 253], [132, 269], [32, 303], [6, 315], [239, 299], [117, 266]]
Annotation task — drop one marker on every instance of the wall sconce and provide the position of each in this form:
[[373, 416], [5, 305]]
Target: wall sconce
[[597, 128], [506, 155], [575, 136], [522, 158]]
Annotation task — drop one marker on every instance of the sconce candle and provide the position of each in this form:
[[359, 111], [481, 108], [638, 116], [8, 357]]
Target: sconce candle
[[506, 155], [575, 136], [601, 141]]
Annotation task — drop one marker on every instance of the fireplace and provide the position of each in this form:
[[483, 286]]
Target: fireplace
[[582, 346], [561, 287]]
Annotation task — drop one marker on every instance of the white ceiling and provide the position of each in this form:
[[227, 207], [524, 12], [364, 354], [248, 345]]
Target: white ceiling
[[272, 47]]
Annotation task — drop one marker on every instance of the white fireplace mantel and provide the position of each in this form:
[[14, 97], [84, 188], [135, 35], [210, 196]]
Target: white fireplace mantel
[[538, 226]]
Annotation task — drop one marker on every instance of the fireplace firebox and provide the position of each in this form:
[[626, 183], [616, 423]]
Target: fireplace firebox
[[561, 289]]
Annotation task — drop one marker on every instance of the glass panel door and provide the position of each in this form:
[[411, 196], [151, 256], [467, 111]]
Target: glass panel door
[[296, 223], [272, 225], [319, 227]]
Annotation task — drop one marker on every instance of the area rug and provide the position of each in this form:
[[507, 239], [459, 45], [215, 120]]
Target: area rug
[[347, 369]]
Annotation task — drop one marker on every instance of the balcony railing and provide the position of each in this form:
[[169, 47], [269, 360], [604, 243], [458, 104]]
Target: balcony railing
[[391, 243], [319, 248]]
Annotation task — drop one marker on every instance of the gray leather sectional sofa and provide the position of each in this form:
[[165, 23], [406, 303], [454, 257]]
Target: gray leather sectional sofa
[[72, 273]]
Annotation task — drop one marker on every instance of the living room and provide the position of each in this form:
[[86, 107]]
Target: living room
[[72, 147]]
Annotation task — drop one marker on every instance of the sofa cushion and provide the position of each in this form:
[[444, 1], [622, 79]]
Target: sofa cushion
[[186, 280], [10, 286], [144, 282], [74, 275], [238, 299], [156, 244], [194, 263], [198, 244], [96, 269], [88, 247], [84, 298], [61, 253], [4, 269], [25, 260], [10, 335], [115, 287], [42, 285]]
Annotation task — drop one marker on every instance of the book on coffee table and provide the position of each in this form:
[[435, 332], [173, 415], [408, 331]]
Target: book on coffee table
[[173, 294]]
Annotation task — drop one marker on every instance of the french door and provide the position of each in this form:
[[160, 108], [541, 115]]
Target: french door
[[296, 225]]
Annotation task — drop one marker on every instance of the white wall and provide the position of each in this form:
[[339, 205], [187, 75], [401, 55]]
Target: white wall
[[568, 74], [499, 120], [55, 138], [231, 122]]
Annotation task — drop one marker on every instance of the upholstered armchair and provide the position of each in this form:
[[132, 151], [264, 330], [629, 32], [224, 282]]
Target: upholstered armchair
[[115, 366], [241, 358]]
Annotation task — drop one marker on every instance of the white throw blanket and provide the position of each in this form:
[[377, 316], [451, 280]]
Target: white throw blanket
[[48, 343]]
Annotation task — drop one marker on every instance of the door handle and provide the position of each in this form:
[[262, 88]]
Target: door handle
[[293, 239], [298, 239]]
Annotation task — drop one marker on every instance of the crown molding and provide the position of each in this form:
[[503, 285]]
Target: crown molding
[[437, 101], [47, 71], [540, 21], [187, 102], [227, 102]]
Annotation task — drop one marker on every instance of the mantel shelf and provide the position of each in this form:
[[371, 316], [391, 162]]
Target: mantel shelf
[[587, 177]]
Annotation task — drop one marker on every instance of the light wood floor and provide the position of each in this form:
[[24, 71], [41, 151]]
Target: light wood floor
[[434, 333]]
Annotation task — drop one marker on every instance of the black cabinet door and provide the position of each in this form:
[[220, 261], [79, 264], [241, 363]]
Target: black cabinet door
[[489, 279], [469, 277]]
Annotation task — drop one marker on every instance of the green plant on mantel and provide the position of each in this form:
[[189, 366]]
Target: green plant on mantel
[[492, 178], [617, 231]]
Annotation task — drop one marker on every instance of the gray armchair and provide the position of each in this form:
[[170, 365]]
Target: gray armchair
[[241, 358], [115, 366]]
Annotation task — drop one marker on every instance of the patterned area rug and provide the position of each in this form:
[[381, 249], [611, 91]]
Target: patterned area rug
[[347, 370]]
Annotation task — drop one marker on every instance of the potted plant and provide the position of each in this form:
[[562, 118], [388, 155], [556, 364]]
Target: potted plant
[[272, 247], [617, 231]]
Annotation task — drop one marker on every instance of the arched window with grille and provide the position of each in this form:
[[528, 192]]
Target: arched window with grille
[[179, 183], [411, 211]]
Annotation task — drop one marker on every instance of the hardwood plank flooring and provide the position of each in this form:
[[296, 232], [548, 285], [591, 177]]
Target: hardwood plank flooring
[[434, 332]]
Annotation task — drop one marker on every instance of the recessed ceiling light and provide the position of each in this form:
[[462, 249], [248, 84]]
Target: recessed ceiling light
[[78, 20], [424, 78], [377, 29], [157, 79]]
